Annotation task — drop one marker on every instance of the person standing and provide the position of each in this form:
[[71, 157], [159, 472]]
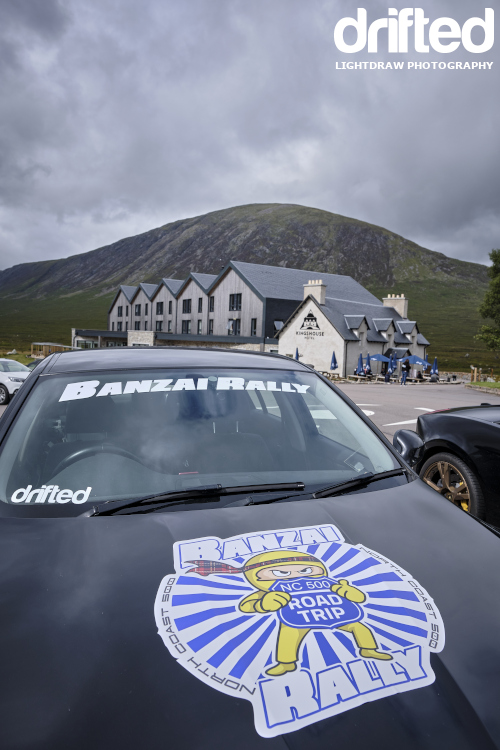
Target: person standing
[[405, 368]]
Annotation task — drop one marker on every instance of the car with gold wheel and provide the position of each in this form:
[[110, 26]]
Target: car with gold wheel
[[460, 457]]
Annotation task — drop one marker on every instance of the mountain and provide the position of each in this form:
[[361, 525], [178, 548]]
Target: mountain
[[44, 300], [274, 234]]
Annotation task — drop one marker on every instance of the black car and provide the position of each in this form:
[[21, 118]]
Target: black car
[[460, 457], [217, 549]]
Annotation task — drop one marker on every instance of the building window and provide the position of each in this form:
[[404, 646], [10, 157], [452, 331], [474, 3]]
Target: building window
[[169, 307], [119, 326], [126, 325], [278, 325], [112, 326], [137, 309], [159, 325], [253, 327], [159, 309], [137, 325], [145, 309], [120, 312], [211, 326], [199, 328], [234, 327], [200, 304], [235, 301], [145, 325], [169, 326], [211, 306], [126, 311], [186, 307], [186, 325]]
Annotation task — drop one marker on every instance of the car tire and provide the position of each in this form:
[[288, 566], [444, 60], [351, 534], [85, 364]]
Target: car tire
[[4, 395], [446, 473]]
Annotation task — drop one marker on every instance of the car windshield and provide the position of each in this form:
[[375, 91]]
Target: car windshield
[[10, 365], [83, 440]]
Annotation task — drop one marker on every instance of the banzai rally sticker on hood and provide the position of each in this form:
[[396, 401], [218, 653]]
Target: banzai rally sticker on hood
[[298, 622]]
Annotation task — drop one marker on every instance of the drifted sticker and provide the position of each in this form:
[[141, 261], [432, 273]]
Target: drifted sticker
[[50, 493], [298, 622]]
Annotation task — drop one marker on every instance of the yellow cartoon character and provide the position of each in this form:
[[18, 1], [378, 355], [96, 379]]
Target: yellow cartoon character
[[298, 587]]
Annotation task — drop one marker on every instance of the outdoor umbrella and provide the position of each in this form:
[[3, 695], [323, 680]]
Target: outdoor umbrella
[[414, 360], [297, 353], [334, 364], [359, 369], [368, 365], [379, 358], [434, 368]]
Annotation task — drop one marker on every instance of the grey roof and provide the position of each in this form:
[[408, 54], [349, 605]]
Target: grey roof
[[173, 285], [276, 282], [382, 324], [340, 313], [400, 338], [149, 289], [406, 326], [376, 337], [422, 340], [205, 280], [128, 291], [399, 351], [354, 321]]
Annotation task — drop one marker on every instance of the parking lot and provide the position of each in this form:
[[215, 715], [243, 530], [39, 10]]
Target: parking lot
[[393, 407]]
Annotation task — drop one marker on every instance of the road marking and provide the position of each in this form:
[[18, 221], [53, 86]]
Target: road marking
[[367, 404], [367, 412], [422, 408], [407, 421]]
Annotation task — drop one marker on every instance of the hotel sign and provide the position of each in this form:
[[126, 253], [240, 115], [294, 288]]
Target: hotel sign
[[310, 327]]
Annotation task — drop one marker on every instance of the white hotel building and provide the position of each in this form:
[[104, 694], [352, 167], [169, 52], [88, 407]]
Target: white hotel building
[[265, 308]]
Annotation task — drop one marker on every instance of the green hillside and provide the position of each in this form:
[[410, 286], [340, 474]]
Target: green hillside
[[42, 301]]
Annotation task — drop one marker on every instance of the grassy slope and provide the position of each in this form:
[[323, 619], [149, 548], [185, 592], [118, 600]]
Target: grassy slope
[[447, 316], [51, 319]]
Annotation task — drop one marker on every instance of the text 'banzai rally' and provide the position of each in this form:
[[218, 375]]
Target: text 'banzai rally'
[[297, 621], [90, 388]]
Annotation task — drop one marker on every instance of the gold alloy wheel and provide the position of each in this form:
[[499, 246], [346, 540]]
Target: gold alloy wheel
[[446, 479]]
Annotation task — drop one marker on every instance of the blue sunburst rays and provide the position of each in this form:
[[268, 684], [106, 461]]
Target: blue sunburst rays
[[238, 645], [207, 615]]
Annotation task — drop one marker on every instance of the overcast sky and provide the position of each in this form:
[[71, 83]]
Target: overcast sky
[[121, 115]]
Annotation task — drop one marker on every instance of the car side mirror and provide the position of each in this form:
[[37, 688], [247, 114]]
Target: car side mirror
[[409, 445]]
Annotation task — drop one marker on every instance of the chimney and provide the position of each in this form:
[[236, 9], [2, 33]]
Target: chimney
[[398, 302], [317, 289]]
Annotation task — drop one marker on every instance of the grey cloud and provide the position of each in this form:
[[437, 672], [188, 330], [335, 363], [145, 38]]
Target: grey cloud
[[117, 117]]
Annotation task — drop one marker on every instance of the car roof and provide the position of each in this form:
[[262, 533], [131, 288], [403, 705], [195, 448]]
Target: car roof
[[120, 358]]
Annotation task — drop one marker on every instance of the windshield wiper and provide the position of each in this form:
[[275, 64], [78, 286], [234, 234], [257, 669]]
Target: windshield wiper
[[334, 489], [190, 495], [357, 482]]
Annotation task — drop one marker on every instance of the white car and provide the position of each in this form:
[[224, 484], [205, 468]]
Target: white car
[[12, 376]]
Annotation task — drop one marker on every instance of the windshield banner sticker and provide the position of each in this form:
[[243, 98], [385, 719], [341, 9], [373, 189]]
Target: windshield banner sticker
[[300, 623], [89, 388]]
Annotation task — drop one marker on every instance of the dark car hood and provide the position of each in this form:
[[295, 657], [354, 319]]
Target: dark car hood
[[83, 665], [486, 413]]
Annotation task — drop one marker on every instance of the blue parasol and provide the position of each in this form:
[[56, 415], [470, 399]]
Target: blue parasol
[[334, 365], [359, 369]]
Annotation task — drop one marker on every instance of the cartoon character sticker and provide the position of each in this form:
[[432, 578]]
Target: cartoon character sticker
[[298, 622]]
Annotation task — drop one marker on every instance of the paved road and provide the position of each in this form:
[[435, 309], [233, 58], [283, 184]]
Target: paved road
[[393, 407]]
